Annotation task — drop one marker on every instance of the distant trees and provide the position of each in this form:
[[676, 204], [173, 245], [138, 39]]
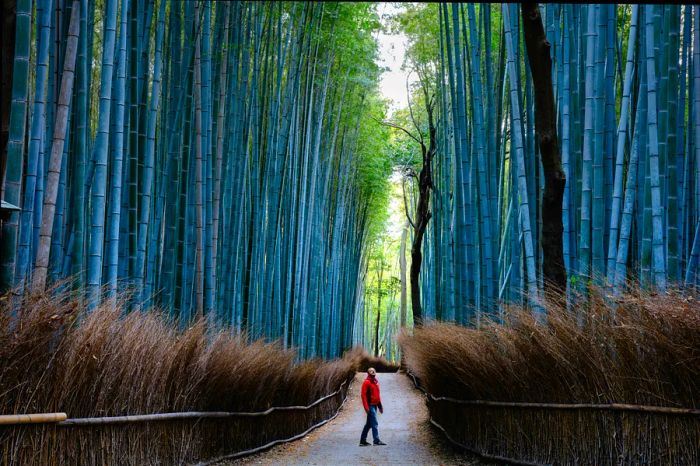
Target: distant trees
[[381, 304]]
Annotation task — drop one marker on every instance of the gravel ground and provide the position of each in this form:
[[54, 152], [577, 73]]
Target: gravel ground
[[404, 426]]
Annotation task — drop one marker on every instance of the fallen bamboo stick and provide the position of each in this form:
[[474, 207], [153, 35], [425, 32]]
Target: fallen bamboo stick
[[37, 418]]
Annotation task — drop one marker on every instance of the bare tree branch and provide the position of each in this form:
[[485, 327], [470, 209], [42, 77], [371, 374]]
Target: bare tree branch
[[395, 126], [410, 110], [409, 172]]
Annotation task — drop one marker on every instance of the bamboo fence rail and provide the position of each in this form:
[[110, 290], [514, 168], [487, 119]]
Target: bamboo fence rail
[[558, 433], [165, 438], [275, 442], [36, 418]]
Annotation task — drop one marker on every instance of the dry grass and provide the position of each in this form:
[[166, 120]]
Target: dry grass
[[644, 351], [380, 364], [54, 357]]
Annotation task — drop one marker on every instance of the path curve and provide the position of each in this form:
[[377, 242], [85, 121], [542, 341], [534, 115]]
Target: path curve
[[404, 426]]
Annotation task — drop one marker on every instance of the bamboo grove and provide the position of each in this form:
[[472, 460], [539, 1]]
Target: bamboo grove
[[228, 159], [626, 82], [212, 158]]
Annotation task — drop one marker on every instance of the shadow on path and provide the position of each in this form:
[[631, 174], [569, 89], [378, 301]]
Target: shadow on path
[[404, 426]]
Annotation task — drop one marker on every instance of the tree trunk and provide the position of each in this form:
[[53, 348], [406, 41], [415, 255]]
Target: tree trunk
[[538, 51], [402, 267], [423, 215], [380, 274]]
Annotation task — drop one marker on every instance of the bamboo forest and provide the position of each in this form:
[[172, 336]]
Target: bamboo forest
[[218, 216]]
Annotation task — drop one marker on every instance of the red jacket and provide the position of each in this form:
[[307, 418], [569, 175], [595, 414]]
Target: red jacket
[[370, 393]]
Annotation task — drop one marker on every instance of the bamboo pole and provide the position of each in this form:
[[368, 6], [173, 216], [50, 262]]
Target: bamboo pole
[[62, 418], [243, 453], [599, 406], [37, 418], [191, 414]]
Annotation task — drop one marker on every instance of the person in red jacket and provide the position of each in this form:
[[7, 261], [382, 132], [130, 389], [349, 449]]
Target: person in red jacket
[[371, 402]]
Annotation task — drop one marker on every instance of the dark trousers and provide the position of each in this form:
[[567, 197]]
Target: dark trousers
[[371, 423]]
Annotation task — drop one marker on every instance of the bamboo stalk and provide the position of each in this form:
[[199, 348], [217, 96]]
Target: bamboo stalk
[[59, 139]]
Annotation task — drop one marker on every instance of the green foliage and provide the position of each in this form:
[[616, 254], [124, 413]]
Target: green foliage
[[419, 21], [374, 166], [383, 253]]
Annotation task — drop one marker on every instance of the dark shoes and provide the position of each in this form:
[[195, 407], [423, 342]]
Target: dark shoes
[[366, 444]]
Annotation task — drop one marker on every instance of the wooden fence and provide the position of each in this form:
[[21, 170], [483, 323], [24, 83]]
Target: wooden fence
[[569, 434], [167, 439]]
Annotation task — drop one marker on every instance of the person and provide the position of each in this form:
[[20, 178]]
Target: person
[[371, 402]]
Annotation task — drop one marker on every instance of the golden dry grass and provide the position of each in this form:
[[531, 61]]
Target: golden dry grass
[[644, 350], [56, 357]]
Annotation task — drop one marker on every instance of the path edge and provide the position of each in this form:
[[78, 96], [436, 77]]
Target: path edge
[[267, 446]]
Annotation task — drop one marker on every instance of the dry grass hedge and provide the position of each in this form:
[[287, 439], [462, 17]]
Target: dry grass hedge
[[56, 358], [645, 350], [380, 364]]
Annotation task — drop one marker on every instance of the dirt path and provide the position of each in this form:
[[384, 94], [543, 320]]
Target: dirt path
[[404, 426]]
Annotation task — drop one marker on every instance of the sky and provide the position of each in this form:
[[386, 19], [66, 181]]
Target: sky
[[392, 49]]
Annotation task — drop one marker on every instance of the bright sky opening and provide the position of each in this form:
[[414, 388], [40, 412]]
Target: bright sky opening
[[392, 50]]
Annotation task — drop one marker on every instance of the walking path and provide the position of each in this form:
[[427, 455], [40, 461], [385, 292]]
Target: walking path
[[404, 426]]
